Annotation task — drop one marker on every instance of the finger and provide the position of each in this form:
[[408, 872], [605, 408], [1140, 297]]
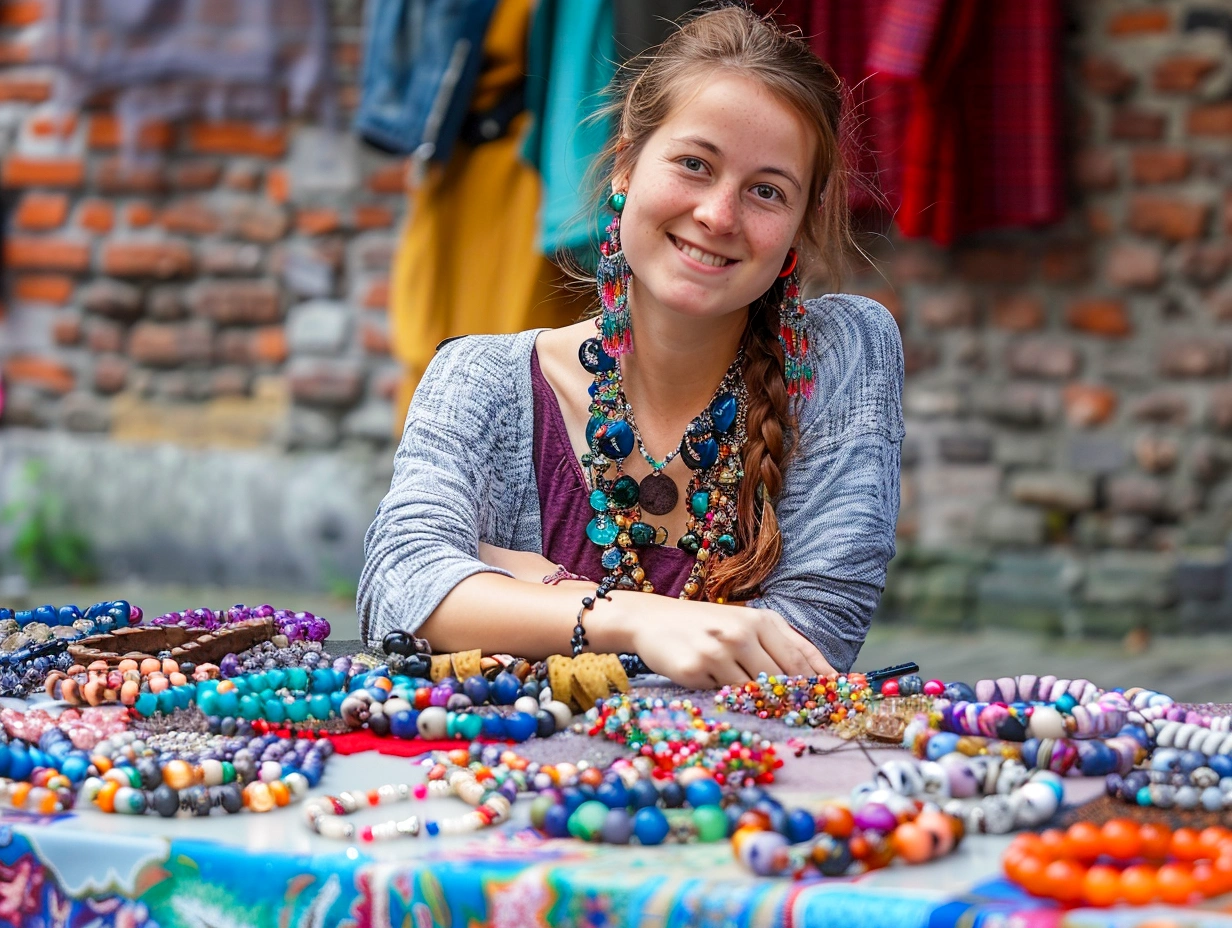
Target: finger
[[789, 650], [812, 655], [728, 671], [755, 659]]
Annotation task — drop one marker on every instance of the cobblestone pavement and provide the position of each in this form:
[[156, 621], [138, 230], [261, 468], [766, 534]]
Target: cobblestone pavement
[[1190, 668]]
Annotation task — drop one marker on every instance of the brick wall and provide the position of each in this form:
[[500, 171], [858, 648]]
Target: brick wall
[[226, 287], [1068, 389]]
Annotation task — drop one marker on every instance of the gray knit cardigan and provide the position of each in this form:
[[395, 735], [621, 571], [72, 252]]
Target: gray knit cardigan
[[464, 473]]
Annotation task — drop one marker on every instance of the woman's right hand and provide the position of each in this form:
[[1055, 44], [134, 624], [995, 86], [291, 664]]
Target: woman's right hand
[[705, 645]]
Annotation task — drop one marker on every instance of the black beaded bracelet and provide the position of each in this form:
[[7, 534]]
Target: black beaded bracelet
[[578, 641]]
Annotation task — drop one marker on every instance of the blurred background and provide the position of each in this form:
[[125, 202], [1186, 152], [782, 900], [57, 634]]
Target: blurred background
[[234, 232]]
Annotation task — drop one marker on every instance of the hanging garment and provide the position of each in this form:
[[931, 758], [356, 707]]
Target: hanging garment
[[173, 59], [572, 59], [467, 262], [956, 106], [421, 61]]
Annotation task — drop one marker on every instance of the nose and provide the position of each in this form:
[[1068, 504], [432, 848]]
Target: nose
[[718, 209]]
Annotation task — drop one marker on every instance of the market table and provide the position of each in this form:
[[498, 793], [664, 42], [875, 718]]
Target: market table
[[86, 868]]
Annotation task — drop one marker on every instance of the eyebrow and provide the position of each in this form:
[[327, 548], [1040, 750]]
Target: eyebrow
[[711, 147]]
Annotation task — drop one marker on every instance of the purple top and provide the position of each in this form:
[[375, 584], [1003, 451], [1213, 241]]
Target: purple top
[[564, 502]]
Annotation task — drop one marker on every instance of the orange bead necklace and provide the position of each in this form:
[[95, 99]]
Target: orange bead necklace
[[1122, 862]]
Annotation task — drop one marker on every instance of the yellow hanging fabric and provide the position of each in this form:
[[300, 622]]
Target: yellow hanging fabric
[[467, 262]]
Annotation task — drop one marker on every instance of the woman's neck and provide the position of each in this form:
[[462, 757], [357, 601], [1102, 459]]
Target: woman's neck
[[677, 361]]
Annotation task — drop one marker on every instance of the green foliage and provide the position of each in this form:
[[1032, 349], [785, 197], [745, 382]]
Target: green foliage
[[45, 546]]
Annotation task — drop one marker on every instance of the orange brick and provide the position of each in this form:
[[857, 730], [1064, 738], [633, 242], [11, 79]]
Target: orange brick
[[14, 53], [317, 221], [277, 185], [47, 254], [237, 138], [58, 126], [1099, 317], [42, 172], [373, 217], [105, 132], [20, 12], [375, 339], [269, 345], [389, 179], [1212, 119], [40, 372], [97, 216], [17, 89], [1087, 405], [1159, 165], [139, 214], [377, 295], [42, 211], [163, 259], [43, 288], [1183, 73], [1139, 22]]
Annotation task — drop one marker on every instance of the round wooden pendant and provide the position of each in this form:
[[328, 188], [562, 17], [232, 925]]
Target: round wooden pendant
[[658, 494]]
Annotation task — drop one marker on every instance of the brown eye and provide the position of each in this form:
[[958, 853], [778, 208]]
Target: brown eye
[[766, 192]]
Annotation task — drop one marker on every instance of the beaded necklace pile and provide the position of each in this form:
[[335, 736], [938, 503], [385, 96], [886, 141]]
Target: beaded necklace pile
[[712, 448]]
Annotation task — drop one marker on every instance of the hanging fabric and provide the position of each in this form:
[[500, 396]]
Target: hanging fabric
[[571, 62], [955, 110], [467, 262]]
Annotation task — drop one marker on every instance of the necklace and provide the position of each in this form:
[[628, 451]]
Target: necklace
[[489, 808], [711, 447]]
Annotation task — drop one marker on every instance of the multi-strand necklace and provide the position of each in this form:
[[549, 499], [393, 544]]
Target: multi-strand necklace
[[712, 448]]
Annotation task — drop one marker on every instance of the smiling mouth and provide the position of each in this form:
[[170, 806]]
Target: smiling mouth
[[702, 257]]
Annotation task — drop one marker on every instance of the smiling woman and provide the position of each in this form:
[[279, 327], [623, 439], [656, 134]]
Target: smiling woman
[[715, 485]]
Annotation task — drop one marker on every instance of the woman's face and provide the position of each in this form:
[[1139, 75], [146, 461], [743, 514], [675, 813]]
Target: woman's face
[[715, 200]]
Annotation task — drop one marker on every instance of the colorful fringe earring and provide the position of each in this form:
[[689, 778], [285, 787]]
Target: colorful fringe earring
[[612, 277], [797, 372]]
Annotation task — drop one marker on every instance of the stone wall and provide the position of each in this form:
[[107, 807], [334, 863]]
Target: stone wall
[[1068, 399]]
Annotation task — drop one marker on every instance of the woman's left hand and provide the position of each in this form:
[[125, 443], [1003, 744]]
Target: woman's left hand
[[524, 565]]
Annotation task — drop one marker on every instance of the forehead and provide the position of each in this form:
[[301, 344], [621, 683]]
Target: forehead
[[743, 118]]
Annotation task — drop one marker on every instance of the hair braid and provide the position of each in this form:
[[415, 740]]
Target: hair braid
[[768, 421]]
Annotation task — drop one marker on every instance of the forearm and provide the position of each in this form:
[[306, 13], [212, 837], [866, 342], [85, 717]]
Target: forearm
[[502, 615]]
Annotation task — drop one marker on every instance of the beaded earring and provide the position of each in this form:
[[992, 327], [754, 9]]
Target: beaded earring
[[612, 278], [797, 371]]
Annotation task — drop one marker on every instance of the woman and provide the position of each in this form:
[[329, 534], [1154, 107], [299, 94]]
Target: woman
[[721, 469]]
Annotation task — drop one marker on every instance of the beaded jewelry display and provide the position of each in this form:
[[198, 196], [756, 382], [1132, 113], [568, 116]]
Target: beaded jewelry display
[[53, 794], [799, 701], [33, 642], [711, 447], [178, 775], [490, 807], [844, 843], [1122, 862], [294, 626], [1185, 780], [1065, 718], [1090, 757], [992, 795], [626, 806], [672, 734]]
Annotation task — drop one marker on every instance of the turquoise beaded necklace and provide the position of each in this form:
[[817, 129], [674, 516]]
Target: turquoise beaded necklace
[[712, 447]]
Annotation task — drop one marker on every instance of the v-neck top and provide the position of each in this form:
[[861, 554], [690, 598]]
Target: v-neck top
[[564, 501], [467, 471]]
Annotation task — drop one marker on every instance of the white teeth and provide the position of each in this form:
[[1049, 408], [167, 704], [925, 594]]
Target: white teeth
[[697, 254]]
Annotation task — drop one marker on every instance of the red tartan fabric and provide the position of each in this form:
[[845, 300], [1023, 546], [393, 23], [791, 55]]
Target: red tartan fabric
[[955, 107]]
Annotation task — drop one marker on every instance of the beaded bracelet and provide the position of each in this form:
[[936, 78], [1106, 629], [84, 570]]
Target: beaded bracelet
[[46, 798], [1183, 786], [489, 808], [578, 641], [1090, 757], [1193, 737], [1065, 718], [1087, 863], [799, 701]]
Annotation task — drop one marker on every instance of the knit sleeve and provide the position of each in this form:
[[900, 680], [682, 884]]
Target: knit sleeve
[[424, 540], [839, 504]]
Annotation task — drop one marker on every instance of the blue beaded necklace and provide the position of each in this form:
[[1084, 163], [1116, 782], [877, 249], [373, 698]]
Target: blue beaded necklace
[[712, 448]]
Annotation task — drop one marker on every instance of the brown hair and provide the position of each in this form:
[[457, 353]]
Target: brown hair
[[647, 89]]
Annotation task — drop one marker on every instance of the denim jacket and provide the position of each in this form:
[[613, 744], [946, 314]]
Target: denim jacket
[[421, 60]]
